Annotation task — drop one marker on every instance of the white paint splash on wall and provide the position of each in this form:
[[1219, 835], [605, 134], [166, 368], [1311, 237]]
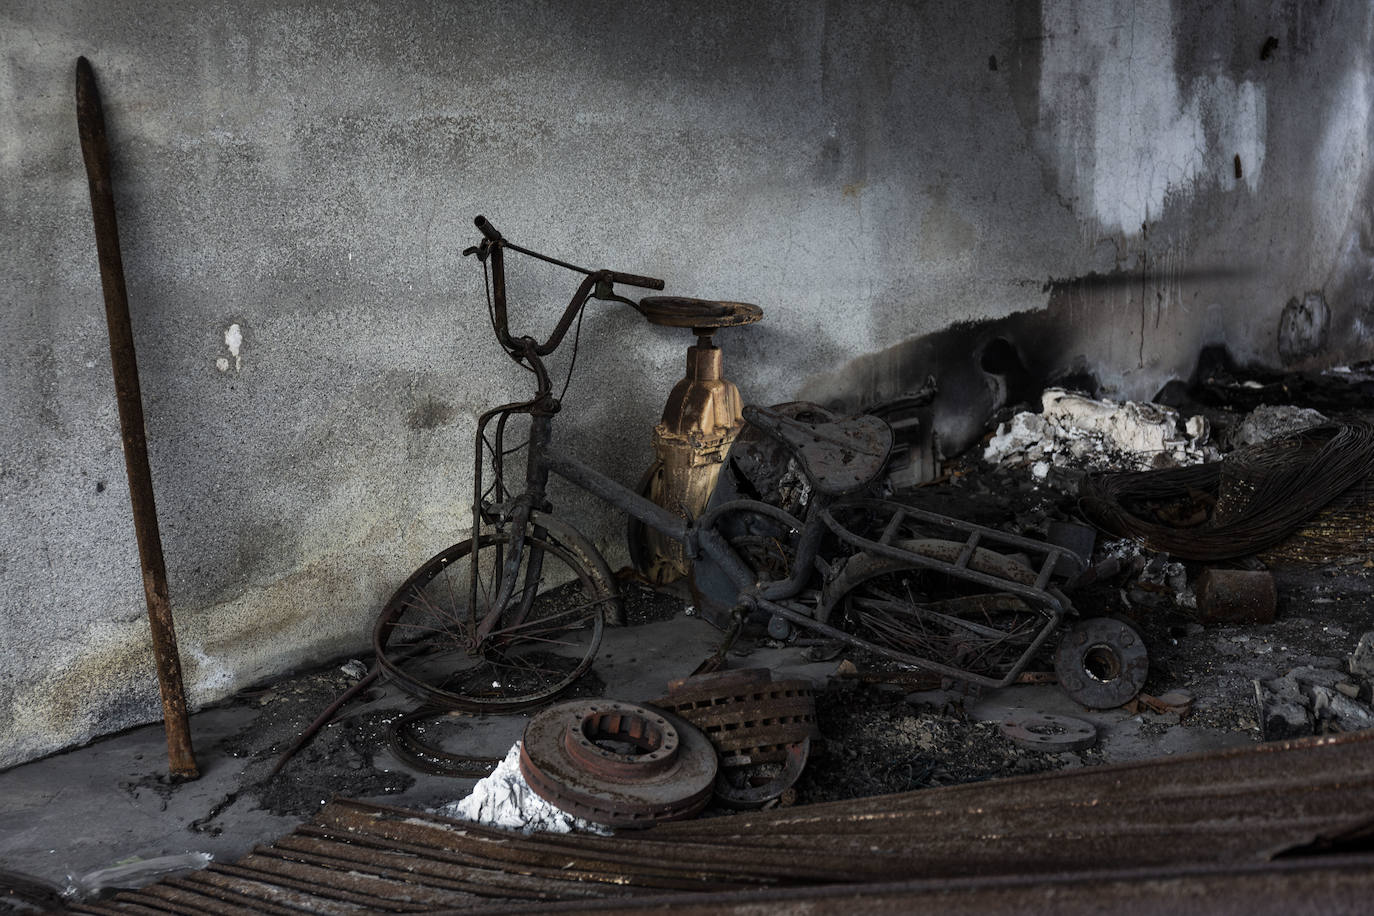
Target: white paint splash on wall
[[1123, 133]]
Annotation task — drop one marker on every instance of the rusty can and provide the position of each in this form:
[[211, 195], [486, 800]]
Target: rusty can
[[1236, 596]]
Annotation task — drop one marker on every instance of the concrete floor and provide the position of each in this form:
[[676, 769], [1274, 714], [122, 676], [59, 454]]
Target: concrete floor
[[110, 802]]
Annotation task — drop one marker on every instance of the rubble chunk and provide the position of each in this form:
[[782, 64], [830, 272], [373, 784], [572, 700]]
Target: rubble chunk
[[1338, 712], [1310, 700], [1270, 421], [1324, 677], [1281, 715], [1361, 661]]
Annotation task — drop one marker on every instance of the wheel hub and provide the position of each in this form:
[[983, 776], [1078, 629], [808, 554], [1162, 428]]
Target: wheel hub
[[617, 763]]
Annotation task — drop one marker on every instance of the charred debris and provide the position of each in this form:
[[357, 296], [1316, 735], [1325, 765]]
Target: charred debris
[[1216, 555], [1212, 550]]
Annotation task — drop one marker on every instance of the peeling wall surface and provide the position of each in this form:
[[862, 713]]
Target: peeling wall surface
[[296, 181]]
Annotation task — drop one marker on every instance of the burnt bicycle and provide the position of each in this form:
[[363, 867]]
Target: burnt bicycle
[[792, 535]]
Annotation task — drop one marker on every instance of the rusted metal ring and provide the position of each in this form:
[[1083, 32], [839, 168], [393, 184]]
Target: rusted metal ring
[[618, 763], [654, 738], [752, 796], [1048, 733], [1102, 662]]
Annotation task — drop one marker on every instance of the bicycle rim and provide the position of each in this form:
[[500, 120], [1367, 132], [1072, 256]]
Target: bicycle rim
[[425, 637], [926, 616]]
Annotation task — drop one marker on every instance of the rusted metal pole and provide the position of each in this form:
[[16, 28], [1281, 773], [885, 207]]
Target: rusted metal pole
[[95, 150]]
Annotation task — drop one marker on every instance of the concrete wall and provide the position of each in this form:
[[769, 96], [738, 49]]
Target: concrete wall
[[296, 181]]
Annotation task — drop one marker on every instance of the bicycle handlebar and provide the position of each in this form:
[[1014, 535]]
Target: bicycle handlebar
[[634, 280], [492, 235], [486, 228], [527, 348]]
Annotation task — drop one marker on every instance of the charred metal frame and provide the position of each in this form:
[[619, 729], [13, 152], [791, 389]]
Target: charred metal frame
[[839, 457]]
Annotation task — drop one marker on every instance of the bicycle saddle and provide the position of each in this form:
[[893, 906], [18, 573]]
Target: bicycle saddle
[[838, 456], [681, 312]]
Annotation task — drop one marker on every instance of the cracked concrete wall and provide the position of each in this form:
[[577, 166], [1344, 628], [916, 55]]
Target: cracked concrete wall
[[296, 180]]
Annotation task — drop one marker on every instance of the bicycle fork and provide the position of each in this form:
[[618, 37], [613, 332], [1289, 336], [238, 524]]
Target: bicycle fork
[[508, 562]]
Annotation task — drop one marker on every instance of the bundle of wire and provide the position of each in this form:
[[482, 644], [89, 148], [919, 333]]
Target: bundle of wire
[[1250, 500]]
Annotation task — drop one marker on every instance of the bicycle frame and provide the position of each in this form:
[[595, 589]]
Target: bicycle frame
[[542, 408], [700, 537]]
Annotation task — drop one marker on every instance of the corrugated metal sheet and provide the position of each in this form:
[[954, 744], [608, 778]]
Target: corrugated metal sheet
[[1208, 824]]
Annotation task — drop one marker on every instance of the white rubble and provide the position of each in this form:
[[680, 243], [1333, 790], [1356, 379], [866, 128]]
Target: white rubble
[[1160, 571], [504, 799], [1270, 421], [1087, 433]]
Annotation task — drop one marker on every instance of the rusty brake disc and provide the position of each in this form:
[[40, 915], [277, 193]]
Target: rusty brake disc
[[744, 712], [754, 722], [617, 763]]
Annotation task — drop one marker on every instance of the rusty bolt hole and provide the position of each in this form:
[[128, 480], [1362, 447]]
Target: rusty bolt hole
[[619, 734], [1102, 663]]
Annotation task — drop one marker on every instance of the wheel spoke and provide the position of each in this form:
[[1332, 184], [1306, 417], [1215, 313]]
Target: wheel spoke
[[526, 660], [984, 633]]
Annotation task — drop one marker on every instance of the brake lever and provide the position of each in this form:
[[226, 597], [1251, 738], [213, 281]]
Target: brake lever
[[603, 291], [481, 250]]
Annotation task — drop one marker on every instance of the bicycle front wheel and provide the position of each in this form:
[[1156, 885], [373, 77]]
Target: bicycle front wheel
[[543, 639]]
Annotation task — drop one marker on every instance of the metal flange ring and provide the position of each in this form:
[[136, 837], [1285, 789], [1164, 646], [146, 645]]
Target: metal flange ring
[[734, 787], [1052, 734], [617, 763], [1102, 662]]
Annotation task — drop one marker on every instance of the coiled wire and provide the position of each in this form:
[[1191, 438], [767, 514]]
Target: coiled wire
[[1251, 500]]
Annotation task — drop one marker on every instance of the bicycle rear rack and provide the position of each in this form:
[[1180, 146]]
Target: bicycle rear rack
[[966, 559], [976, 536]]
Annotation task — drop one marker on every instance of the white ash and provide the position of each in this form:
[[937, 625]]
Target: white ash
[[1163, 572], [1122, 549], [1360, 372], [1073, 430], [504, 799]]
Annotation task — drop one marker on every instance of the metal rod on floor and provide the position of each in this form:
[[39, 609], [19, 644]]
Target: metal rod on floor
[[95, 150]]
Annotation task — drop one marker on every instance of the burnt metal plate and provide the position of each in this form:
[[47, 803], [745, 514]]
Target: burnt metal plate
[[683, 312], [1052, 734], [744, 787], [839, 456], [1102, 662]]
